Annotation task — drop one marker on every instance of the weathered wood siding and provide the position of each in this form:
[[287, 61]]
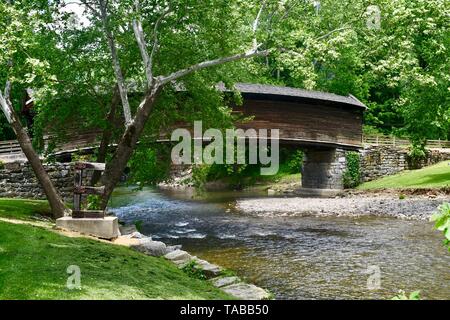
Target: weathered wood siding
[[306, 122]]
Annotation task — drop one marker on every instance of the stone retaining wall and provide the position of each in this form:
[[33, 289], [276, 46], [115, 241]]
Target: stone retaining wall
[[380, 161], [17, 180]]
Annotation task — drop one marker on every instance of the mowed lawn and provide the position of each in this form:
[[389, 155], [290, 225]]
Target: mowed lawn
[[23, 209], [34, 263], [436, 176]]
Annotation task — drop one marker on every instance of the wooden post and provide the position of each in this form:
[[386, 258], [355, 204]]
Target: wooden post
[[77, 184], [80, 189]]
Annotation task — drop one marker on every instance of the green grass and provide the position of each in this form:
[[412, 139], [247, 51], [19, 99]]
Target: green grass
[[436, 176], [23, 209], [34, 262]]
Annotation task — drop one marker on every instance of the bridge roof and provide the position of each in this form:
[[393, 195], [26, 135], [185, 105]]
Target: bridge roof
[[276, 92]]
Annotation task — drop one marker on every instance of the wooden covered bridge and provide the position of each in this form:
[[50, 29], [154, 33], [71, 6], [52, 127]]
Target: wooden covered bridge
[[324, 125]]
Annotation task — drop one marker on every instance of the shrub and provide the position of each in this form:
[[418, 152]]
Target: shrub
[[417, 154], [295, 161], [352, 175], [193, 271]]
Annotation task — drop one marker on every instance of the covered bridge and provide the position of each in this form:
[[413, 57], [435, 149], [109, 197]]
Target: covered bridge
[[325, 125]]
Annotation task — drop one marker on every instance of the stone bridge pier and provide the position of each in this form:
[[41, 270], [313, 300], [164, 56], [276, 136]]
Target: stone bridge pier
[[323, 170]]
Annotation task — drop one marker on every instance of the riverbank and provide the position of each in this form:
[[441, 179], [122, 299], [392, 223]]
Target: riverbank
[[34, 261]]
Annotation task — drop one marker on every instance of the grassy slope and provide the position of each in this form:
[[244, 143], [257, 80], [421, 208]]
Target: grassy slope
[[33, 264], [23, 209], [429, 177]]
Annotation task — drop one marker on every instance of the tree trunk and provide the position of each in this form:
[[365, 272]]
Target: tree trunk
[[126, 146], [106, 134], [56, 203]]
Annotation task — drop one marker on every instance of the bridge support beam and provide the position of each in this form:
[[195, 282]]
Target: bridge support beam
[[323, 169]]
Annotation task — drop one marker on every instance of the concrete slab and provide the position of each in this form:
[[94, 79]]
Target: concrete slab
[[106, 228]]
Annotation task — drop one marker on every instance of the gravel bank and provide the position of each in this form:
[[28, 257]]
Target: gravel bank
[[416, 208]]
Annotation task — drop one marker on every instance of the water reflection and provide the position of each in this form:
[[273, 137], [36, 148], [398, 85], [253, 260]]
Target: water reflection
[[295, 257]]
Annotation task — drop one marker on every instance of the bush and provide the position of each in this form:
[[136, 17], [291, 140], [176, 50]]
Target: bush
[[417, 154], [295, 161], [193, 271], [352, 175]]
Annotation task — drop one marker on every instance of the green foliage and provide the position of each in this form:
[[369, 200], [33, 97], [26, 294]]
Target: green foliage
[[402, 296], [294, 161], [2, 165], [401, 196], [149, 165], [441, 218], [399, 71], [239, 176], [352, 174], [80, 156], [417, 153], [193, 271], [93, 202], [200, 175]]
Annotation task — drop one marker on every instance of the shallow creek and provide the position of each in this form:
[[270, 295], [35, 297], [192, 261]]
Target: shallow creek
[[295, 257]]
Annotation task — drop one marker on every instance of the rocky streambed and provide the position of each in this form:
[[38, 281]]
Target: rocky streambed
[[411, 208]]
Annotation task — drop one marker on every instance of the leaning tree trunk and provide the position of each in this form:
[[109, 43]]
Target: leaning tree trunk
[[127, 143], [56, 203]]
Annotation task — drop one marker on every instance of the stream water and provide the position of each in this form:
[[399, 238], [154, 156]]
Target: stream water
[[295, 257]]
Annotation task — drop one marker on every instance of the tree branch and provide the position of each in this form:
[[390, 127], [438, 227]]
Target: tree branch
[[256, 24], [4, 104], [140, 39], [116, 63], [331, 32], [155, 34], [207, 64], [7, 91]]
